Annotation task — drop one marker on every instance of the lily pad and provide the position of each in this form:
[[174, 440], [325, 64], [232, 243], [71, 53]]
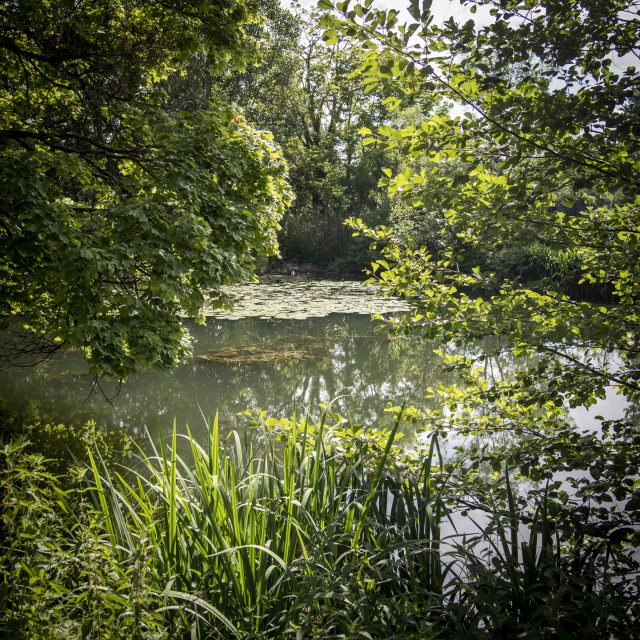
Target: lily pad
[[296, 298]]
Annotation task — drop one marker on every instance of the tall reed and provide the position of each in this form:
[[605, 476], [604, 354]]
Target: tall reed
[[281, 541], [333, 533]]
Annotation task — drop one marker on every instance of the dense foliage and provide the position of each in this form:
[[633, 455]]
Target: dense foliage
[[546, 149], [542, 161], [335, 532], [123, 205]]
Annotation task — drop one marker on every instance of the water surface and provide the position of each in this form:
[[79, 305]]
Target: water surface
[[287, 343]]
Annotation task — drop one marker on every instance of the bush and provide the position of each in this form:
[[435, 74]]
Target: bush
[[62, 578]]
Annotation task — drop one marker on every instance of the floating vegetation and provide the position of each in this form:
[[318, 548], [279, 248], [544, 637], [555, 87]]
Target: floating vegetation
[[296, 298], [250, 354]]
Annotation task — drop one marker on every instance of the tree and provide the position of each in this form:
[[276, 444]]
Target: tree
[[549, 152], [546, 149], [122, 207], [300, 90]]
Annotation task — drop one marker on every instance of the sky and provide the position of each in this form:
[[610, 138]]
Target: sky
[[441, 9]]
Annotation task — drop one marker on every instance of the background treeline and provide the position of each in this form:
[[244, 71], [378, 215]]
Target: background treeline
[[303, 90]]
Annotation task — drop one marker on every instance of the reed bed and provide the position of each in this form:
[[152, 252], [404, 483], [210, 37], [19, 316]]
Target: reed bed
[[297, 539]]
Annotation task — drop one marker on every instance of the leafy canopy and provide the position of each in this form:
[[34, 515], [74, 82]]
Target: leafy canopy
[[548, 144], [122, 206], [542, 146]]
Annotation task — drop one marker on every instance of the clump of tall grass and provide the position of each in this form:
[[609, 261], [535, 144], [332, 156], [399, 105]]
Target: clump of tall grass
[[297, 539]]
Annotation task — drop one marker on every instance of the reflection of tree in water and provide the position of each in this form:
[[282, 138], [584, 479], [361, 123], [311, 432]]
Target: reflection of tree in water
[[350, 362], [348, 358]]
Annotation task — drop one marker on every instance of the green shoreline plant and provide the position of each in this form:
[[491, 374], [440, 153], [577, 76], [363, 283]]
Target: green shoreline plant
[[332, 532]]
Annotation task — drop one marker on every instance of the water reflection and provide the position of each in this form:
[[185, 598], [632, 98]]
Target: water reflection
[[271, 364], [346, 360]]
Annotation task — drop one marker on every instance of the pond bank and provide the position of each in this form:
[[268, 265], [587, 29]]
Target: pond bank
[[315, 271]]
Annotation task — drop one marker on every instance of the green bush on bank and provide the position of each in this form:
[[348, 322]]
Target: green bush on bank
[[61, 576], [332, 532]]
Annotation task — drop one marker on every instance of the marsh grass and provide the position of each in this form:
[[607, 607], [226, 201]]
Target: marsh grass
[[278, 542]]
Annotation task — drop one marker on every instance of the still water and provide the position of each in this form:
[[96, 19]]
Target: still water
[[287, 343]]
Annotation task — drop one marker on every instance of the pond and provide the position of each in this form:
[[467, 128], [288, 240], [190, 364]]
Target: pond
[[288, 343]]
